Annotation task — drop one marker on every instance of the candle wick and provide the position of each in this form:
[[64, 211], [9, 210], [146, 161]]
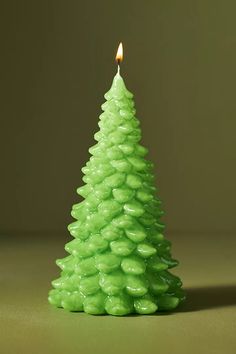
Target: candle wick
[[118, 68]]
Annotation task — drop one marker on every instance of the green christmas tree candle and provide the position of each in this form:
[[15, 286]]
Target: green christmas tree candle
[[119, 259]]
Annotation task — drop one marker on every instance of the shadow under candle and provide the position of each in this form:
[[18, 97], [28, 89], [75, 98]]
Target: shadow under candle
[[203, 298]]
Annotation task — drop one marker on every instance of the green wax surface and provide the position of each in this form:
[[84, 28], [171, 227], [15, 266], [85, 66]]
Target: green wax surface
[[119, 260]]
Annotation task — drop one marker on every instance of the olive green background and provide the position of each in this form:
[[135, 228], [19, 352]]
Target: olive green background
[[56, 63]]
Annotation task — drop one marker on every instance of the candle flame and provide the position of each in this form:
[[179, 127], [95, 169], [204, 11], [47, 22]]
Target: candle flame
[[119, 54]]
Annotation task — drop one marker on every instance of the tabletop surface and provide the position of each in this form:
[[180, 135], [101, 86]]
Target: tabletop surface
[[205, 324]]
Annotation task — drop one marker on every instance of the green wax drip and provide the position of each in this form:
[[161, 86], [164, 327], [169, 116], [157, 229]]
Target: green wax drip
[[119, 259]]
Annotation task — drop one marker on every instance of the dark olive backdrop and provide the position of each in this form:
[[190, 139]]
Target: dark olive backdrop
[[57, 61]]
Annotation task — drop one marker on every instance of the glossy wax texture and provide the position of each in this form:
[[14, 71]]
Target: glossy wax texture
[[119, 260]]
